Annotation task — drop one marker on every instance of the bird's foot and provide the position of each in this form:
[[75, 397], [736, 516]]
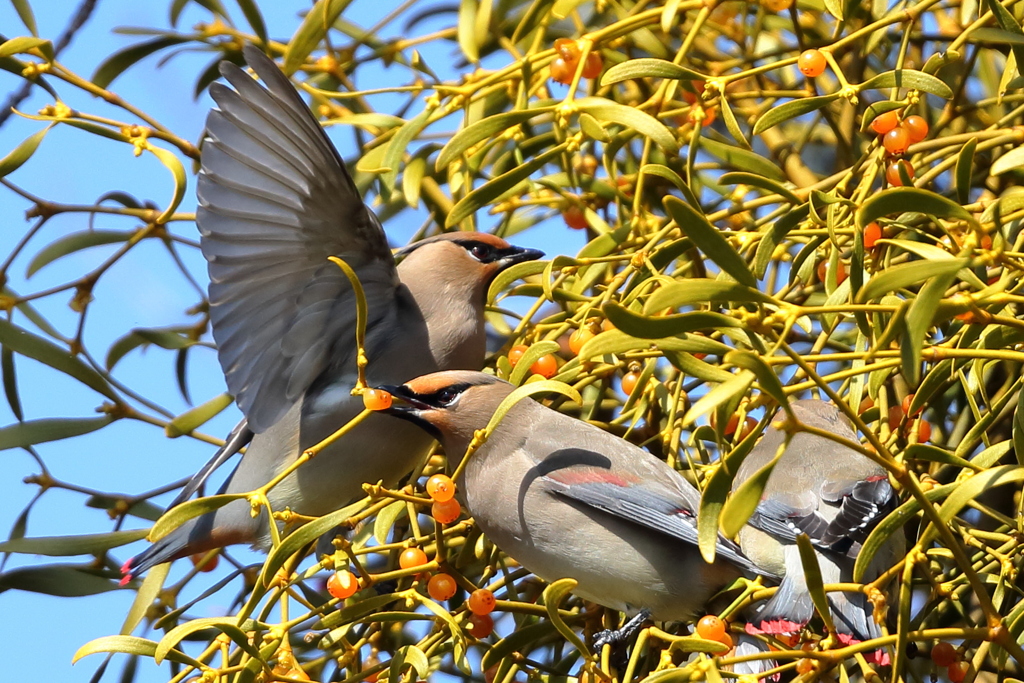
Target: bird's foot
[[616, 637]]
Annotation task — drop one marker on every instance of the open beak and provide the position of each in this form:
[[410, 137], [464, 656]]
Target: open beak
[[406, 403]]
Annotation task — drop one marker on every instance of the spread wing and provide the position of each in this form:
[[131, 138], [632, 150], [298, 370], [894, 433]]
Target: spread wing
[[275, 201]]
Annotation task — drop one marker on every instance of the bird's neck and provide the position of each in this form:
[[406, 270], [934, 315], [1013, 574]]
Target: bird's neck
[[453, 313]]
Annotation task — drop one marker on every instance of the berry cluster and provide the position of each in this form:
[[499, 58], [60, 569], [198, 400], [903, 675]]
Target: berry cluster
[[897, 137], [568, 61]]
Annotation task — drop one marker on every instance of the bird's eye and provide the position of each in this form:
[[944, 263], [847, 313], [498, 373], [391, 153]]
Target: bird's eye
[[481, 252], [447, 396]]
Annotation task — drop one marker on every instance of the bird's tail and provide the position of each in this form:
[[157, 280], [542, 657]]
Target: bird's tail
[[791, 607], [174, 545]]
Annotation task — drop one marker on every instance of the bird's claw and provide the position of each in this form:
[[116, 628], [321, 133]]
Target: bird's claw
[[616, 637]]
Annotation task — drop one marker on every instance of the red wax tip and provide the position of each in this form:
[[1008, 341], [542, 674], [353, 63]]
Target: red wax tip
[[126, 572]]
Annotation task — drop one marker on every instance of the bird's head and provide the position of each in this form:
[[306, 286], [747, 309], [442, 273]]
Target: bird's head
[[476, 257], [450, 405]]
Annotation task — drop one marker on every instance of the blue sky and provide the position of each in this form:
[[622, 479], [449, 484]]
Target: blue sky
[[143, 290]]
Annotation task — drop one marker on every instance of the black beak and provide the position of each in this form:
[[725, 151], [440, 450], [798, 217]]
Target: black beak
[[408, 402], [514, 255]]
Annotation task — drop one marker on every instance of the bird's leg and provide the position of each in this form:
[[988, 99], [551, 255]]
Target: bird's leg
[[614, 637]]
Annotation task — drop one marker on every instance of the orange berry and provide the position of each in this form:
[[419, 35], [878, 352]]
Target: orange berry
[[944, 654], [481, 601], [629, 381], [480, 625], [441, 488], [342, 584], [895, 416], [778, 5], [907, 400], [412, 557], [585, 165], [897, 140], [924, 431], [561, 72], [607, 326], [441, 587], [811, 63], [872, 233], [710, 627], [749, 425], [446, 511], [574, 217], [892, 172], [804, 666], [883, 123], [515, 353], [569, 50], [580, 337], [545, 366], [376, 399], [593, 66], [210, 565], [917, 127], [732, 424], [726, 640], [867, 404], [957, 671]]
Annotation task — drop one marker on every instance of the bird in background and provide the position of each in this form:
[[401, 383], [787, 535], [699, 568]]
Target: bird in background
[[275, 201], [836, 496], [568, 500]]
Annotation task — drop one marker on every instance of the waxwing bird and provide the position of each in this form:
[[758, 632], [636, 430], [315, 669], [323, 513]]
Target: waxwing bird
[[569, 500], [275, 201], [833, 494]]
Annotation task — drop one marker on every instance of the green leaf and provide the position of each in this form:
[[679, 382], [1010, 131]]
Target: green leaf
[[617, 341], [736, 385], [401, 141], [964, 171], [496, 187], [919, 321], [255, 19], [688, 291], [173, 164], [747, 496], [731, 124], [923, 451], [484, 129], [553, 596], [467, 35], [76, 241], [517, 272], [673, 177], [24, 11], [198, 416], [311, 32], [1018, 429], [130, 645], [408, 655], [522, 368], [742, 159], [1011, 160], [117, 63], [907, 274], [592, 128], [22, 152], [34, 432], [899, 200], [144, 597], [766, 377], [712, 502], [1009, 24], [812, 577], [386, 519], [24, 44], [179, 514], [226, 625], [739, 177], [171, 338], [63, 546], [709, 240], [35, 347], [657, 327], [631, 119], [908, 78], [60, 580], [10, 379], [522, 640], [790, 110], [649, 68]]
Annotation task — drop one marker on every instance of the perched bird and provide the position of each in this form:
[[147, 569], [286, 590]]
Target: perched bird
[[275, 201], [569, 500], [833, 494]]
